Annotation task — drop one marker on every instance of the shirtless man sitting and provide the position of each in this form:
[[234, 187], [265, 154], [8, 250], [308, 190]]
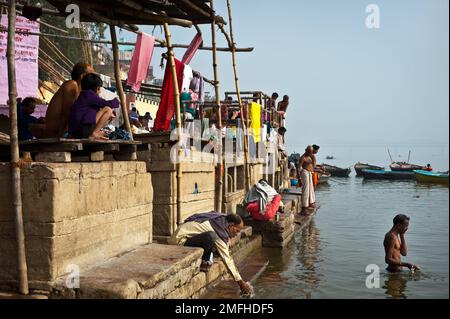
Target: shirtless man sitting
[[307, 168], [395, 245], [58, 111]]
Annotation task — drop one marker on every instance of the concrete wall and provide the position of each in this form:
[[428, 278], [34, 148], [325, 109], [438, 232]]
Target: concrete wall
[[76, 213], [164, 180]]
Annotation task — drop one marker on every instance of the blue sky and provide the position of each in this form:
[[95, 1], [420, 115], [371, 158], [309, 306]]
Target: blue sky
[[349, 85]]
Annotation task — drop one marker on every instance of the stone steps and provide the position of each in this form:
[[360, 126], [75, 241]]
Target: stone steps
[[155, 272], [152, 271]]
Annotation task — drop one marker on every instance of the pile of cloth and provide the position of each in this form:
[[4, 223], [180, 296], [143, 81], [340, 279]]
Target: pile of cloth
[[262, 201]]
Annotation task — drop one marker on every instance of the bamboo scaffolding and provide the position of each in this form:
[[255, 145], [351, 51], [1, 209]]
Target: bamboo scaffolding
[[119, 86], [50, 70], [15, 158], [236, 81], [219, 111], [63, 68], [178, 115], [69, 64]]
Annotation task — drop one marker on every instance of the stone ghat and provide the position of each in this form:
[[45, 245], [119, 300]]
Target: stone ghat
[[155, 272], [74, 214]]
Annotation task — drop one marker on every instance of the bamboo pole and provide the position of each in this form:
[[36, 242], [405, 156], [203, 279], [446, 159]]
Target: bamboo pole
[[160, 43], [119, 80], [15, 158], [236, 81], [178, 115], [219, 107]]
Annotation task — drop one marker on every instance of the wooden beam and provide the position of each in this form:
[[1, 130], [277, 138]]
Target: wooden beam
[[119, 86], [178, 115], [248, 175], [219, 112], [15, 157], [160, 44]]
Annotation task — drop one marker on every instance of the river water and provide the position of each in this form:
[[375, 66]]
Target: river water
[[329, 258]]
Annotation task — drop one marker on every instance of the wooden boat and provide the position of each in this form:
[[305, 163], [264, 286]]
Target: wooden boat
[[360, 166], [337, 171], [405, 167], [387, 175], [431, 177], [323, 178]]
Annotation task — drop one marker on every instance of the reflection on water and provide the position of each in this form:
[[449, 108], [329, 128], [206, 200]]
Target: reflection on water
[[309, 247], [330, 256], [395, 284]]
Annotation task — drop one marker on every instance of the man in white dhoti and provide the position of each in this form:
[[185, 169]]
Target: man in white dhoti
[[306, 168]]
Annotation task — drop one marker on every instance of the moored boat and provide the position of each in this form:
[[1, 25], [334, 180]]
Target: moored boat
[[405, 167], [360, 166], [387, 175], [324, 178], [336, 171], [431, 177]]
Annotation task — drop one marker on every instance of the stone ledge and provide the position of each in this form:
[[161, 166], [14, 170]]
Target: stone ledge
[[151, 271]]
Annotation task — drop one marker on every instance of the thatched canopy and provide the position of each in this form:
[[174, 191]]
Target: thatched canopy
[[142, 12]]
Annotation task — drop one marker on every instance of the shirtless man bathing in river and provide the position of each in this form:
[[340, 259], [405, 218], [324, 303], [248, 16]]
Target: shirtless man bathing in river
[[306, 168], [395, 245]]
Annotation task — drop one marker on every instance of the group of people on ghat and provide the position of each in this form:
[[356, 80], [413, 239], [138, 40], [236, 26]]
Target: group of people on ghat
[[76, 110]]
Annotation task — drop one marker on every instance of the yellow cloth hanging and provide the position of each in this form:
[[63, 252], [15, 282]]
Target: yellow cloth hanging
[[255, 117]]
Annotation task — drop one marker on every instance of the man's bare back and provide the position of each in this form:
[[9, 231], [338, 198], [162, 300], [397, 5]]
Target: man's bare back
[[59, 108]]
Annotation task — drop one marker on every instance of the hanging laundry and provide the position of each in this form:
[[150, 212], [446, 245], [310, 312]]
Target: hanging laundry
[[188, 75], [140, 62], [167, 105], [196, 43], [198, 86], [255, 117]]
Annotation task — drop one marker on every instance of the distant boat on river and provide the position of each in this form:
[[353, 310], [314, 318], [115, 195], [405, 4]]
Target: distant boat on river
[[360, 166]]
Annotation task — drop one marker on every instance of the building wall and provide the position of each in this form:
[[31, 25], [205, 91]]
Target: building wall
[[194, 199], [76, 213]]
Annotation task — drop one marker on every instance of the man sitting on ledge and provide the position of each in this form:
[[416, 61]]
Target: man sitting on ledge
[[212, 231]]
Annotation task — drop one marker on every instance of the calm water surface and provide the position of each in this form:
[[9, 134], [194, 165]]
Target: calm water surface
[[329, 258]]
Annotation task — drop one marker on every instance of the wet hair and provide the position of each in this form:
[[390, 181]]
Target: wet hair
[[400, 219], [78, 70], [275, 95], [234, 219], [91, 81], [316, 147], [286, 97], [28, 101]]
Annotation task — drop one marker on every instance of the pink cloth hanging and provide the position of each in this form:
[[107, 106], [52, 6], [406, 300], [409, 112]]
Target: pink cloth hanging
[[140, 62], [196, 43]]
